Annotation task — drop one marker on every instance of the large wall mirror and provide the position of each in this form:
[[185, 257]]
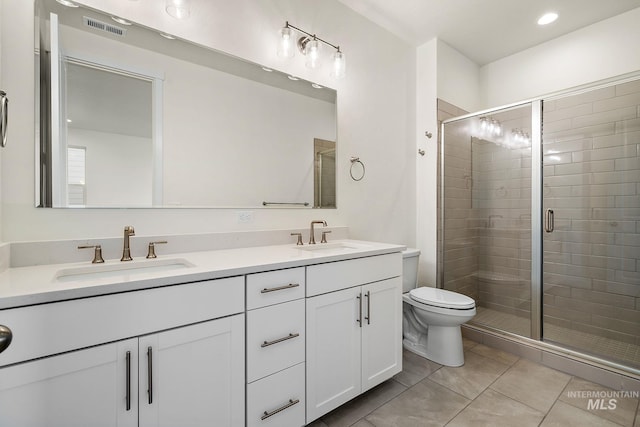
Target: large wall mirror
[[130, 118]]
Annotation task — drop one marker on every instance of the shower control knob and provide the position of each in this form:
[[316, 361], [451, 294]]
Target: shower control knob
[[5, 337]]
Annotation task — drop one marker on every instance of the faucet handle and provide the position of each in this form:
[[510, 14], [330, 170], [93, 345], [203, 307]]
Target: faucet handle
[[299, 242], [151, 253], [97, 254], [324, 236]]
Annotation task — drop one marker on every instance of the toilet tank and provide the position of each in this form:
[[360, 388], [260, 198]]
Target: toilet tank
[[410, 258]]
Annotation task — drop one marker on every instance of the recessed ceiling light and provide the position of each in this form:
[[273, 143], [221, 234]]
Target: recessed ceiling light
[[316, 86], [267, 69], [67, 3], [69, 120], [292, 78], [120, 20], [547, 18], [167, 36]]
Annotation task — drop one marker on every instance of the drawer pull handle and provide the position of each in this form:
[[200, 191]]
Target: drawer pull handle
[[5, 337], [128, 381], [289, 404], [280, 288], [288, 337]]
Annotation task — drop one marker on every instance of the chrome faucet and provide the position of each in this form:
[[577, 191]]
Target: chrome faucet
[[312, 237], [126, 252]]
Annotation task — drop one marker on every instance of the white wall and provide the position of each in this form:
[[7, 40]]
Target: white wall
[[426, 166], [606, 49], [375, 121], [119, 168], [458, 78]]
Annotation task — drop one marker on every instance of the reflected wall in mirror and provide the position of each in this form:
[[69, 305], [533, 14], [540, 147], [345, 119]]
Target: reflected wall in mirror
[[132, 119]]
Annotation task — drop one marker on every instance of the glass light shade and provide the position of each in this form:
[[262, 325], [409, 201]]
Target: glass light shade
[[339, 69], [179, 9], [286, 48], [312, 51]]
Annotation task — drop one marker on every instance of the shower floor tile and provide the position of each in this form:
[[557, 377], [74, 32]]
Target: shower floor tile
[[623, 352]]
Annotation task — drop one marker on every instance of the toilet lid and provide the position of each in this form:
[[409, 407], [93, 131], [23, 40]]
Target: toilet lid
[[442, 298]]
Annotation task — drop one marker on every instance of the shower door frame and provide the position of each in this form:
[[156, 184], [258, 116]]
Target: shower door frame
[[536, 208], [537, 226]]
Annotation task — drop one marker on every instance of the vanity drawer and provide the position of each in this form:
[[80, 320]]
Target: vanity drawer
[[46, 329], [275, 338], [283, 391], [274, 287], [333, 276]]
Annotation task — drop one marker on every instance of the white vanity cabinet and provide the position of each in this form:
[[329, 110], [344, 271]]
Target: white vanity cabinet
[[354, 329], [276, 348], [181, 375]]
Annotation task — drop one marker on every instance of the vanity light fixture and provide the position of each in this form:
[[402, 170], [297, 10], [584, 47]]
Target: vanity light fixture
[[179, 9], [67, 3], [547, 18], [309, 45]]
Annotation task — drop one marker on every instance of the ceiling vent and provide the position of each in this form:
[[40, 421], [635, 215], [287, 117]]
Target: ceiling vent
[[102, 26]]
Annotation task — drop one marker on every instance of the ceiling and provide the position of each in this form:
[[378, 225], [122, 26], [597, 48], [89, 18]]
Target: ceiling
[[485, 30]]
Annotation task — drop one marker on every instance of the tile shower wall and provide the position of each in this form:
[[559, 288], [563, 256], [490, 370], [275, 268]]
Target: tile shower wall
[[487, 197], [460, 252], [592, 182]]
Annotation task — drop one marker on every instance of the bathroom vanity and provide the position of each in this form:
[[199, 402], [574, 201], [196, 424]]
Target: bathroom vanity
[[275, 335]]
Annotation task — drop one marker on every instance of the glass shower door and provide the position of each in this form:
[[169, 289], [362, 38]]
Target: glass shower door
[[486, 215], [591, 238]]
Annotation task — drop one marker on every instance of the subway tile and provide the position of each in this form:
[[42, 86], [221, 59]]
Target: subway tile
[[627, 264], [572, 133], [616, 177], [616, 140], [631, 328], [627, 202], [601, 298], [627, 289], [627, 88], [627, 163], [618, 103], [605, 117], [586, 97], [583, 167], [622, 189], [567, 113], [567, 146], [617, 152], [630, 125], [605, 226]]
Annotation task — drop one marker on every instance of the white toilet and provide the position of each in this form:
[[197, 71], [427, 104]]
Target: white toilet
[[432, 317]]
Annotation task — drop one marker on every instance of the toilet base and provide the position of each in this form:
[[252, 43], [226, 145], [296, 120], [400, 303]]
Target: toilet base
[[440, 344]]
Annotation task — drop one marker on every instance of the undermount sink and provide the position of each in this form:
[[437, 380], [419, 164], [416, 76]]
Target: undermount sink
[[336, 247], [100, 271]]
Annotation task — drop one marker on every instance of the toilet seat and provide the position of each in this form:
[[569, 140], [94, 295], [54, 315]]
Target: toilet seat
[[442, 298]]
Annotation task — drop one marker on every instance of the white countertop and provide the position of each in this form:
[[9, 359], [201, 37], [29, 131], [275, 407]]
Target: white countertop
[[24, 286]]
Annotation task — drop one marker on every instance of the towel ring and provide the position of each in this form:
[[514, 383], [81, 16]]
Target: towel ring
[[358, 174]]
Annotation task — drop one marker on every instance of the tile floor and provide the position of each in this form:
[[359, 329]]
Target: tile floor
[[493, 388]]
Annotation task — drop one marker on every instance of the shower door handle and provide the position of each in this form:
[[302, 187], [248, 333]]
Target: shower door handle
[[4, 118], [548, 220]]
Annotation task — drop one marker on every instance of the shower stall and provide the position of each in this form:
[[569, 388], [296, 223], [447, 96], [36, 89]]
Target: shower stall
[[540, 220]]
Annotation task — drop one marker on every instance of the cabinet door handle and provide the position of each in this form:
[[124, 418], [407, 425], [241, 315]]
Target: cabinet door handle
[[359, 320], [289, 404], [5, 337], [368, 295], [128, 381], [548, 220], [150, 374], [288, 337], [280, 288]]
